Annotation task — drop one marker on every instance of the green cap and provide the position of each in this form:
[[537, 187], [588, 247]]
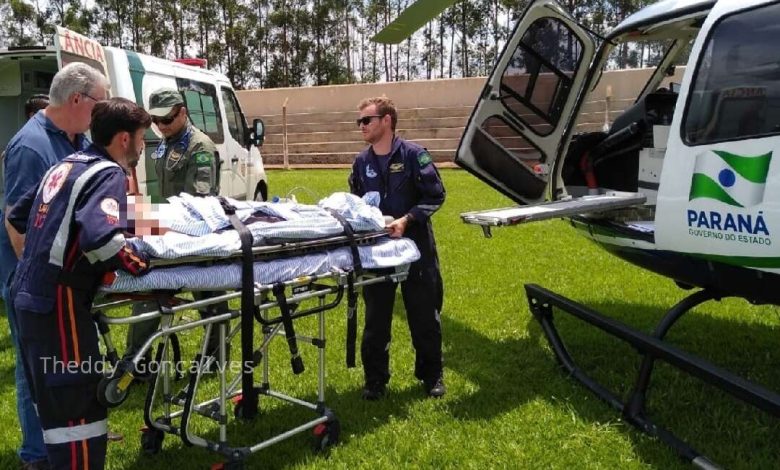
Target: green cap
[[162, 101]]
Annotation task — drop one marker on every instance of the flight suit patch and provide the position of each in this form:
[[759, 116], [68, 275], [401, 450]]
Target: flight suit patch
[[174, 156], [396, 167], [424, 159], [202, 158]]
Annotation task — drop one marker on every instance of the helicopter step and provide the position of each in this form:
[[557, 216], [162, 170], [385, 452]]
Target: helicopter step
[[652, 347]]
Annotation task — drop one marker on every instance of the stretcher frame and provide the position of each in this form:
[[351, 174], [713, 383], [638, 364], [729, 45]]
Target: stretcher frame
[[257, 302]]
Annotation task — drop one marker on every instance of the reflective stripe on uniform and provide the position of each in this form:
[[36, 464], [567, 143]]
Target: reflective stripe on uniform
[[108, 250], [75, 433], [57, 253]]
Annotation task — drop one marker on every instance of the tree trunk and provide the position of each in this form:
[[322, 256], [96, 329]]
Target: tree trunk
[[464, 45], [384, 47], [348, 43], [441, 48]]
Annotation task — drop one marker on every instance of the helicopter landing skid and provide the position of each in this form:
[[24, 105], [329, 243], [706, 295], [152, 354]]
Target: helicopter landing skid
[[652, 347]]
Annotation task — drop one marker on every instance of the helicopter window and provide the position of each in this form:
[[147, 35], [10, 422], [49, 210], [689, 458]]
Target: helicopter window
[[512, 141], [537, 79], [736, 91]]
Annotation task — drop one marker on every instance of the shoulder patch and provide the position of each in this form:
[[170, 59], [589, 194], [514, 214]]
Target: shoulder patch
[[202, 158], [110, 207], [424, 159], [55, 181]]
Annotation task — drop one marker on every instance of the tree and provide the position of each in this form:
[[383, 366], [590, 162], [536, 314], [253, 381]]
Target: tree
[[20, 23]]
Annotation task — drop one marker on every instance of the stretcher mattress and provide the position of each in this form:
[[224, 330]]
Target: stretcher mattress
[[387, 253], [203, 233]]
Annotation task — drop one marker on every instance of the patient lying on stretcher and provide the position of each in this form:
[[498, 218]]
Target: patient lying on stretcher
[[190, 226]]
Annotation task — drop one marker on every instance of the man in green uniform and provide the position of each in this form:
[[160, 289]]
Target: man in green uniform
[[185, 162]]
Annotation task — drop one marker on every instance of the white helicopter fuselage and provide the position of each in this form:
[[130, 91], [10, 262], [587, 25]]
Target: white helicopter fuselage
[[706, 207], [709, 213]]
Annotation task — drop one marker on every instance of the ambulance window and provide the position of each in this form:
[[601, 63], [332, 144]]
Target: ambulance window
[[736, 89], [537, 79], [201, 101], [233, 116]]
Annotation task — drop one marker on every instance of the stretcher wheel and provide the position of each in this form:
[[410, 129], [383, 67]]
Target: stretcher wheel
[[151, 441], [232, 465], [326, 434], [108, 392], [240, 413]]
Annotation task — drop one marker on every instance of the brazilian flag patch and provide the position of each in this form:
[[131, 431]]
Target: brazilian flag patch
[[424, 159], [202, 159]]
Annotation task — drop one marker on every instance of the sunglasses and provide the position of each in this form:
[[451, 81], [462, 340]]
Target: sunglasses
[[366, 120], [165, 120]]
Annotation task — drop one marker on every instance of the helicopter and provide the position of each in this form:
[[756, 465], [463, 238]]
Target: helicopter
[[685, 182]]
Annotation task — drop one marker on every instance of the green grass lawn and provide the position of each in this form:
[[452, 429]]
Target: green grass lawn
[[509, 405]]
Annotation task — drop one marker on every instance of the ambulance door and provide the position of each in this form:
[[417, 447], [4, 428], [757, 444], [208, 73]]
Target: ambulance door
[[202, 101], [235, 162], [73, 47]]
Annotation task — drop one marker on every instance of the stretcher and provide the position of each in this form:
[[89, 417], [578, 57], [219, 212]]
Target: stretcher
[[278, 280]]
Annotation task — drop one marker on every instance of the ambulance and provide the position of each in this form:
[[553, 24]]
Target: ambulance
[[210, 99]]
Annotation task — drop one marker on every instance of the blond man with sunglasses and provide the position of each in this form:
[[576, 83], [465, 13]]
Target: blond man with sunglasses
[[404, 178]]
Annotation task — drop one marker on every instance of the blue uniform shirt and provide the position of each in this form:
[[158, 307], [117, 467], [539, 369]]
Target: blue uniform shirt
[[74, 222], [408, 184], [406, 180], [37, 146]]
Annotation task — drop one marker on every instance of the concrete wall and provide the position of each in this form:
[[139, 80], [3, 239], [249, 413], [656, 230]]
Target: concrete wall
[[414, 94], [621, 84]]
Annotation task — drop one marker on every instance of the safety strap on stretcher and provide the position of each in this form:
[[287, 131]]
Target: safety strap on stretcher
[[296, 362], [249, 393], [357, 271]]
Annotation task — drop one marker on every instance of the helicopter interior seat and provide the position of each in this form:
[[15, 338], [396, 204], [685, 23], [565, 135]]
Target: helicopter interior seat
[[615, 159]]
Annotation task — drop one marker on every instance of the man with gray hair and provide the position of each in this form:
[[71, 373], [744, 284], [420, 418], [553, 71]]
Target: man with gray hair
[[48, 137]]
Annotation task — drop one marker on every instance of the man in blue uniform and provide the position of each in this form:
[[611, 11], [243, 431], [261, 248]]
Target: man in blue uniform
[[72, 229], [410, 190], [48, 137]]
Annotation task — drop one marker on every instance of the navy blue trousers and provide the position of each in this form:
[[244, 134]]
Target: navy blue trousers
[[63, 366], [422, 294]]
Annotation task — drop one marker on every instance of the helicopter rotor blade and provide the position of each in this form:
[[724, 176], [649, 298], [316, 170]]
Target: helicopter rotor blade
[[410, 20]]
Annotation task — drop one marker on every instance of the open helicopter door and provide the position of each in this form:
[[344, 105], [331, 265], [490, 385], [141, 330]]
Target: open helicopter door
[[517, 135]]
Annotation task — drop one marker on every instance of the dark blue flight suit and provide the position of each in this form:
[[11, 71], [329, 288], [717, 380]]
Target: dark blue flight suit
[[408, 184], [74, 224]]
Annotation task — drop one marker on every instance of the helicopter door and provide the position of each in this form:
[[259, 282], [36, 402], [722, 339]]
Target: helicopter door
[[516, 131]]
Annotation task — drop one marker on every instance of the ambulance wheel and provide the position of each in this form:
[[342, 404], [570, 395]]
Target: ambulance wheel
[[326, 435], [108, 393], [151, 441]]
